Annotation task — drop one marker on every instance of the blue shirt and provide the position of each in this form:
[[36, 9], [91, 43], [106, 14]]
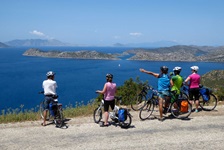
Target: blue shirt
[[163, 82]]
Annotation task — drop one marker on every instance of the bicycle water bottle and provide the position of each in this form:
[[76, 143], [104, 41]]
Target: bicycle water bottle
[[51, 109]]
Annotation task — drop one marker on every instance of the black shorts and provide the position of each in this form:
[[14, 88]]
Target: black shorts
[[194, 94], [110, 103]]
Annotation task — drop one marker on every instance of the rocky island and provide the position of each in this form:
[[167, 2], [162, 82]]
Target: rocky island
[[84, 54], [179, 53]]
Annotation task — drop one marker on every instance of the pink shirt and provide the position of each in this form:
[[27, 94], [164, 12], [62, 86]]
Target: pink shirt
[[194, 80], [110, 92]]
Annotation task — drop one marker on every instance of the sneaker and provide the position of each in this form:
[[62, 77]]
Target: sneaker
[[161, 119], [196, 110]]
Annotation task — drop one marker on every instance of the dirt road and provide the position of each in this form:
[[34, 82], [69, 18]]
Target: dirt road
[[203, 130]]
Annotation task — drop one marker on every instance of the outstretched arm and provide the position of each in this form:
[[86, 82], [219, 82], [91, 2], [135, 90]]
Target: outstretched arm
[[149, 72]]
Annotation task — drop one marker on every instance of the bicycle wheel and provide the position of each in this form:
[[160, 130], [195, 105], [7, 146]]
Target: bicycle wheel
[[127, 122], [42, 111], [138, 102], [59, 118], [179, 111], [146, 110], [209, 104], [97, 114]]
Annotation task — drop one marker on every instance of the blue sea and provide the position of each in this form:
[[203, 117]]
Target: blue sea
[[21, 76]]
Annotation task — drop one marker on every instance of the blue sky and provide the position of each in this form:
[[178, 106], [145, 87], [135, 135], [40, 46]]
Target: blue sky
[[105, 22]]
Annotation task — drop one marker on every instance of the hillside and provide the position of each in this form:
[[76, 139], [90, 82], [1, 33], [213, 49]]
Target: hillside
[[215, 80], [36, 42], [75, 55], [180, 53], [2, 45]]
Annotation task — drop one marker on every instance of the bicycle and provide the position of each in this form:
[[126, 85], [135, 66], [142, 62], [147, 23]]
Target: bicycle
[[175, 107], [55, 112], [140, 99], [98, 112], [207, 100]]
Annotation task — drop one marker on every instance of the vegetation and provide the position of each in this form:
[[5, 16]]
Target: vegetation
[[214, 80]]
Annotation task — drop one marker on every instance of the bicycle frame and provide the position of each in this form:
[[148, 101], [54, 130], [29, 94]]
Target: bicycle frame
[[97, 115]]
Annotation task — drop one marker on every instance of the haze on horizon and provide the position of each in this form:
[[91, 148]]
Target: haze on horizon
[[101, 22]]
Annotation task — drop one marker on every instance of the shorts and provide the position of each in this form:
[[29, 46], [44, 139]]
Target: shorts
[[47, 101], [163, 94], [194, 94], [110, 103]]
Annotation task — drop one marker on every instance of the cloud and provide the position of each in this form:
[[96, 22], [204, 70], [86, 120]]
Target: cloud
[[35, 32], [135, 34]]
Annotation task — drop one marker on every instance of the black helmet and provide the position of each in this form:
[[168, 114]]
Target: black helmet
[[164, 69], [109, 75]]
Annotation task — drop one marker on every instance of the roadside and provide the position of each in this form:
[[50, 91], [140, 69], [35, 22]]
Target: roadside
[[203, 130]]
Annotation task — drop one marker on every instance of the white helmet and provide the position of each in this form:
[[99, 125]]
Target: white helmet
[[50, 73], [195, 68], [177, 68]]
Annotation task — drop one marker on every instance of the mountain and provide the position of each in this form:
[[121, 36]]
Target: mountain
[[36, 42], [179, 53], [149, 44], [2, 45]]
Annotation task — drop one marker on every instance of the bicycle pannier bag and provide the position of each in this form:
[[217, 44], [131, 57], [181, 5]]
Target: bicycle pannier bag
[[205, 93], [122, 114], [184, 106]]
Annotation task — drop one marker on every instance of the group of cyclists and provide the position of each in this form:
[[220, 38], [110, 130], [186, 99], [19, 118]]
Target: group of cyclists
[[166, 84]]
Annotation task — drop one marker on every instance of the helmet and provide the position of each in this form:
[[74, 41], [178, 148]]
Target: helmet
[[50, 73], [109, 75], [164, 69], [177, 68], [195, 68]]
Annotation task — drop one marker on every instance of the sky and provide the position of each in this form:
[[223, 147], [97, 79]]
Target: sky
[[106, 22]]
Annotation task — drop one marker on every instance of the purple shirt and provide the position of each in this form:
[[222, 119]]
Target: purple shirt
[[194, 80], [110, 92]]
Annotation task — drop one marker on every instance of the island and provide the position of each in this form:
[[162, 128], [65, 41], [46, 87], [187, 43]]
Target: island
[[84, 54]]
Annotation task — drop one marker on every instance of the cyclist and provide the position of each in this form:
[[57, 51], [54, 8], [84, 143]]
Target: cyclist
[[176, 82], [49, 85], [109, 91], [163, 87], [194, 81]]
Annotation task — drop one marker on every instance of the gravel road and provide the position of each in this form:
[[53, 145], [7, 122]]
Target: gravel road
[[203, 130]]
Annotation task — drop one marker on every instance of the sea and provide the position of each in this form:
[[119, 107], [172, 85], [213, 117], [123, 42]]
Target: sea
[[21, 76]]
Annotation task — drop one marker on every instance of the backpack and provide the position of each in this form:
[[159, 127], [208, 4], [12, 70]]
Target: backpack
[[122, 114], [184, 106], [205, 93]]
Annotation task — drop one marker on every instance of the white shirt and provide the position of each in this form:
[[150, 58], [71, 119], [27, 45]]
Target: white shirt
[[49, 87]]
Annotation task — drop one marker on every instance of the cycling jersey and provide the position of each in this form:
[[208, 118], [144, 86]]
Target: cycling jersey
[[110, 92], [194, 80], [177, 83], [163, 82], [49, 87]]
